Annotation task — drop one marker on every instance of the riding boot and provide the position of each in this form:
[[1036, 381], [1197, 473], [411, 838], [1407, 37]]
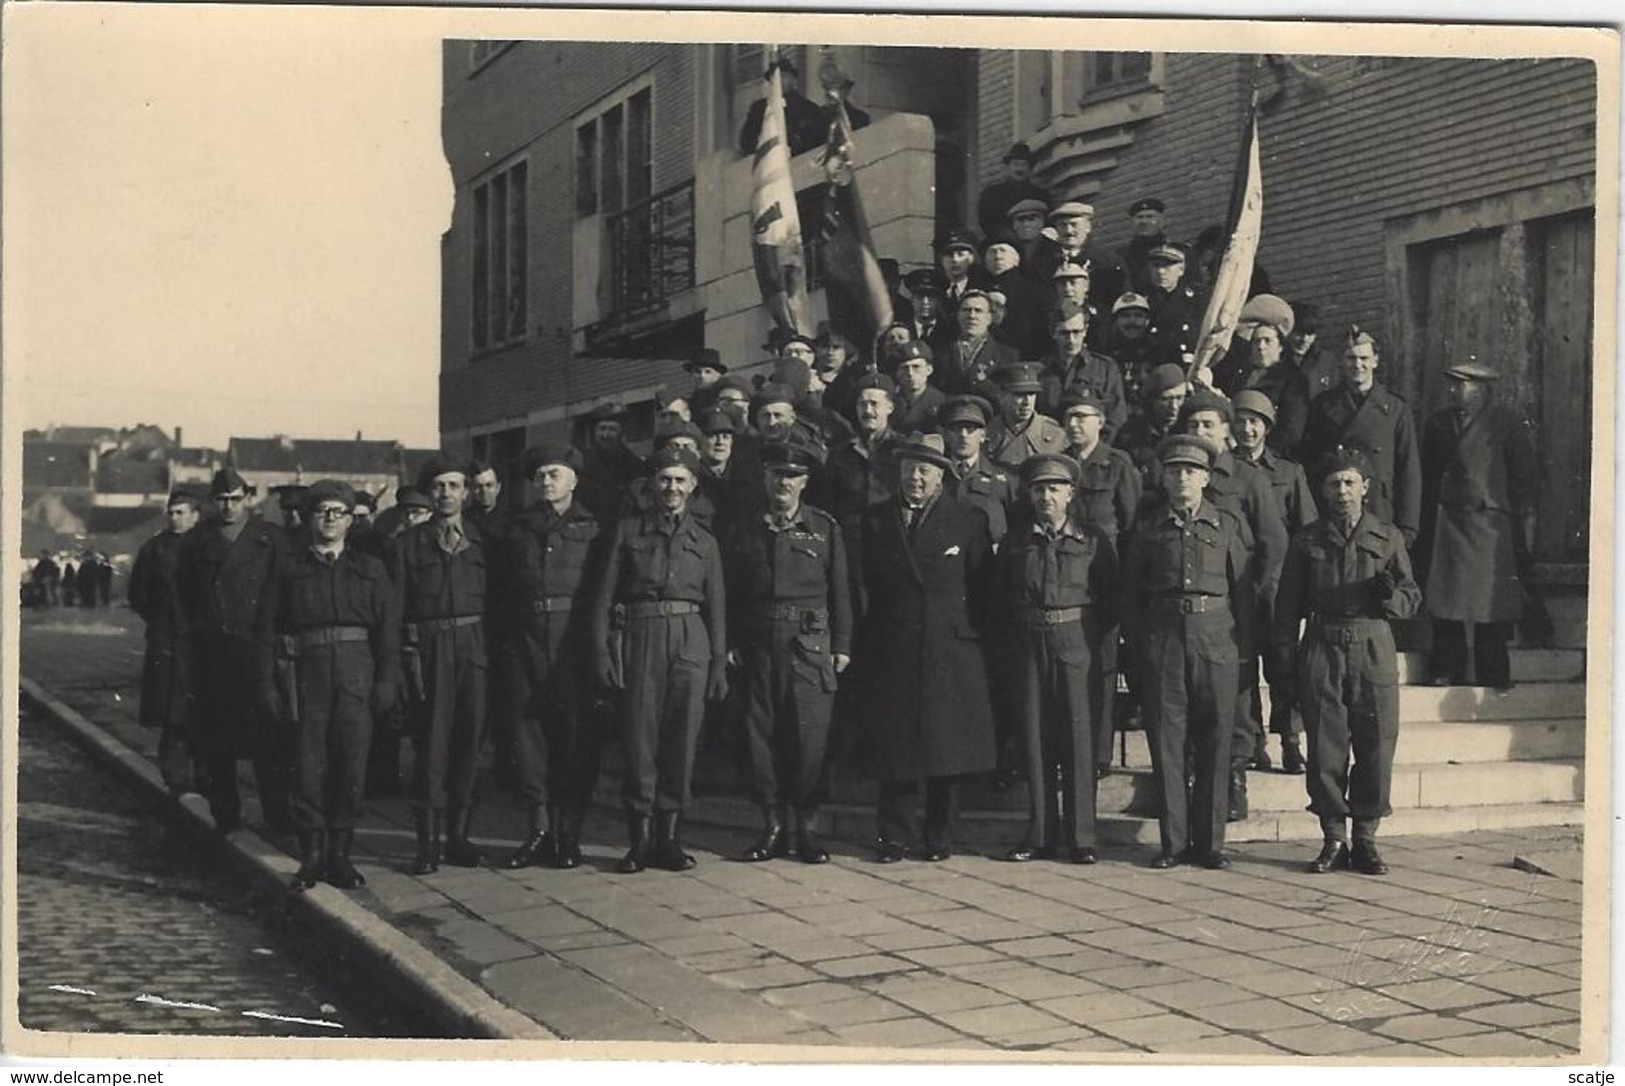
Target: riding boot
[[340, 871], [427, 824], [460, 851]]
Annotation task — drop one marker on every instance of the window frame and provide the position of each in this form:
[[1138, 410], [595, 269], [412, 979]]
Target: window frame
[[593, 117], [505, 188]]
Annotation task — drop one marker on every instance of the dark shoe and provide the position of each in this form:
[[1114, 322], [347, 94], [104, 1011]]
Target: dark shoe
[[540, 847], [567, 855], [637, 855], [1166, 860], [773, 843], [935, 854], [310, 860], [459, 850], [1216, 861], [1261, 756], [1084, 856], [810, 848], [890, 852], [340, 871], [1238, 796], [427, 824], [1291, 757], [1021, 854], [1334, 855], [668, 850], [1365, 859]]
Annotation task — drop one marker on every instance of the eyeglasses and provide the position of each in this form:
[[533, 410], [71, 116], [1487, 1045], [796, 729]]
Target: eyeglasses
[[332, 513]]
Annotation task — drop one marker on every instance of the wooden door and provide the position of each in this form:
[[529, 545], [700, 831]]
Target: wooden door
[[1459, 314], [1561, 282]]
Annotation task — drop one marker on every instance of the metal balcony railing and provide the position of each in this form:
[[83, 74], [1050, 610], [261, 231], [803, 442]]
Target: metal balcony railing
[[651, 250]]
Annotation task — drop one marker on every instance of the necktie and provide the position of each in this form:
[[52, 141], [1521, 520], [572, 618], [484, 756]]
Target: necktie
[[911, 517]]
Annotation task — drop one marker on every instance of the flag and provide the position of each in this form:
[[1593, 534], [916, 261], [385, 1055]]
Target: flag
[[775, 222], [859, 303], [1235, 274]]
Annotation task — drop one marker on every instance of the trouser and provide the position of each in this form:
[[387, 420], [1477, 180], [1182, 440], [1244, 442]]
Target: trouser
[[1191, 677], [897, 818], [504, 703], [789, 695], [1056, 682], [1103, 696], [228, 725], [451, 718], [1492, 665], [332, 735], [557, 745], [1348, 689], [667, 662]]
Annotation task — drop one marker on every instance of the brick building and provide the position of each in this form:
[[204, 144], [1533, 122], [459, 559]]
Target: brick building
[[600, 232]]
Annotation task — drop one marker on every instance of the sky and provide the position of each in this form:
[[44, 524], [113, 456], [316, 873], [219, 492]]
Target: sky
[[222, 221]]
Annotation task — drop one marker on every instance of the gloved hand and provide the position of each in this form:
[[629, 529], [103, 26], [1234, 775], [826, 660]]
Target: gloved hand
[[1383, 584], [716, 687]]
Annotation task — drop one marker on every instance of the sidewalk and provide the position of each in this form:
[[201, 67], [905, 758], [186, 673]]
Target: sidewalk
[[1458, 953]]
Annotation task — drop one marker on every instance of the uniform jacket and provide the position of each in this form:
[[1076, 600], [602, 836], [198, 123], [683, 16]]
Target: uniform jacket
[[926, 599], [962, 370], [154, 591], [1381, 427], [1108, 492], [605, 475], [1176, 320], [1245, 490], [1040, 434], [545, 556], [803, 565], [434, 584], [1210, 554], [1333, 576], [311, 594], [988, 487], [1077, 568], [223, 584], [920, 413], [1140, 439], [1107, 277], [645, 560], [1096, 372], [1283, 383], [860, 476], [1135, 258], [1291, 487], [1322, 371]]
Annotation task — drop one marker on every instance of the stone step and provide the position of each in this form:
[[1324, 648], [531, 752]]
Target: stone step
[[1528, 666], [1527, 701]]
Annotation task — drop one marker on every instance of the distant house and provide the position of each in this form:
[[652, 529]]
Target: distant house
[[62, 466], [265, 462], [124, 484], [193, 465]]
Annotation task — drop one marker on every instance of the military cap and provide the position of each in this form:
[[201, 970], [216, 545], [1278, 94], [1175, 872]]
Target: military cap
[[1066, 310], [1147, 203], [1130, 301], [1020, 150], [1049, 468], [673, 456], [788, 458], [667, 432], [1071, 270], [606, 412], [956, 238], [925, 281], [1185, 449], [1028, 206], [1078, 398], [709, 358], [665, 397], [914, 349], [927, 447], [330, 490], [1358, 337], [410, 497], [1166, 254], [1205, 399], [1022, 377], [290, 495], [1268, 309], [964, 408], [794, 374], [716, 420], [439, 464], [1072, 209], [772, 392], [1167, 376], [797, 337], [187, 492], [551, 452], [875, 380], [1472, 370], [1344, 458], [226, 480], [1256, 402], [365, 499]]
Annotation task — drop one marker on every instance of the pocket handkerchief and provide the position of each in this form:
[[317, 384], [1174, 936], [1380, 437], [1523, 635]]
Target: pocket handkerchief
[[951, 551]]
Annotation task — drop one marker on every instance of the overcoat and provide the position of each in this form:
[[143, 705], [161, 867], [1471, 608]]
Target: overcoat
[[927, 701], [155, 596], [1381, 427]]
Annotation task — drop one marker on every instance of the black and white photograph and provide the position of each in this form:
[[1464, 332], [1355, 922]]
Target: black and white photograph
[[756, 537]]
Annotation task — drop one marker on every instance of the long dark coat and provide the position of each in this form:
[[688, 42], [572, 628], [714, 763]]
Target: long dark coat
[[1381, 427], [927, 703], [155, 596]]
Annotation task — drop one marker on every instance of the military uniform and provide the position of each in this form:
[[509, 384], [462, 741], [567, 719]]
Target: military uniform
[[1379, 425], [1037, 436], [919, 413], [166, 690], [1092, 372], [988, 487], [1176, 320]]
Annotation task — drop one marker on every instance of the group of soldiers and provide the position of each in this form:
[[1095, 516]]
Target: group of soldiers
[[83, 579], [940, 558]]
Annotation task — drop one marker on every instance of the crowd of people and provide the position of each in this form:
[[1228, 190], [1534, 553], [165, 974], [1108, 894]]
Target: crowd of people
[[1016, 520], [76, 578]]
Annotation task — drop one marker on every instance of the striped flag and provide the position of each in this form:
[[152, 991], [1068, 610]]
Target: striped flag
[[859, 303], [1235, 274], [775, 222]]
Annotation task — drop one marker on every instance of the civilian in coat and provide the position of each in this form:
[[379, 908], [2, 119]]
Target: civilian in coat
[[925, 566], [1026, 302], [968, 365], [1017, 184], [1478, 482], [166, 693], [1257, 363]]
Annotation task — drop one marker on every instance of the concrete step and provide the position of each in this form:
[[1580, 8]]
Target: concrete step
[[1528, 666], [1527, 701]]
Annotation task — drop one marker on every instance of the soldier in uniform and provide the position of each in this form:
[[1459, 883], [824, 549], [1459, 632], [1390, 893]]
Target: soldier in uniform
[[1255, 414], [485, 498], [1129, 342], [226, 567], [1346, 575], [441, 571], [918, 401], [1146, 214], [1074, 365], [1026, 433], [608, 466], [290, 500], [332, 610], [973, 476], [662, 595], [926, 565], [1478, 481], [550, 554], [1322, 370], [1187, 582], [154, 594], [1363, 415], [1176, 308], [789, 593], [1055, 579], [1165, 392]]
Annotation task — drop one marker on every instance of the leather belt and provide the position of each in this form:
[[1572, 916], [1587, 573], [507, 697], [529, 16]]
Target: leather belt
[[551, 605], [441, 625], [1049, 616], [1189, 605], [1346, 631], [661, 608], [330, 635], [785, 612]]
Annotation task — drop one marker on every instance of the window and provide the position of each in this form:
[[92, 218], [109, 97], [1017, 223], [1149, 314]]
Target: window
[[1109, 73], [615, 154], [500, 234]]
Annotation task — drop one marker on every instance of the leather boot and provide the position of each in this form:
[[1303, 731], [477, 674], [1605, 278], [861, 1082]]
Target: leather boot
[[540, 847], [1261, 754], [340, 871], [427, 824], [809, 846], [1291, 757], [460, 851], [1238, 796], [668, 850], [310, 860], [567, 854], [773, 843], [637, 834]]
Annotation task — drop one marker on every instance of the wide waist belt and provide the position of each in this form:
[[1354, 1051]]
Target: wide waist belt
[[1189, 605], [785, 612], [551, 605], [330, 635], [1049, 616], [1346, 631], [441, 625], [661, 608]]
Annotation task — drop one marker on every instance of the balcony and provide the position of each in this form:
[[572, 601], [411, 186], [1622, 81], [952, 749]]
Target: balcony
[[651, 252]]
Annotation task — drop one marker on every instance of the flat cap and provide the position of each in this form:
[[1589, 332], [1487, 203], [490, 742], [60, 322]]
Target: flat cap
[[1131, 301], [925, 281], [707, 358], [1205, 399], [226, 480], [1049, 468], [717, 420], [927, 447], [673, 456], [1022, 377], [1019, 150], [410, 497], [606, 412], [1254, 402], [1072, 209], [788, 458], [1166, 254], [1164, 378], [1185, 449], [1028, 206], [976, 292], [330, 490], [551, 452], [1071, 270], [965, 408], [1079, 398], [1146, 203], [1344, 458], [1268, 309], [437, 465], [798, 337], [1472, 370]]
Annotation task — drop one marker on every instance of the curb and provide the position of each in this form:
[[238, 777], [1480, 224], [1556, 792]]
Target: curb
[[451, 1000]]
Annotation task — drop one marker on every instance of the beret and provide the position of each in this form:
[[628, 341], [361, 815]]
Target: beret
[[875, 380], [667, 432], [1019, 150], [1205, 399], [187, 492], [331, 490], [1268, 309], [1344, 458], [551, 452], [1165, 377], [914, 349], [439, 464], [772, 392], [716, 420]]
